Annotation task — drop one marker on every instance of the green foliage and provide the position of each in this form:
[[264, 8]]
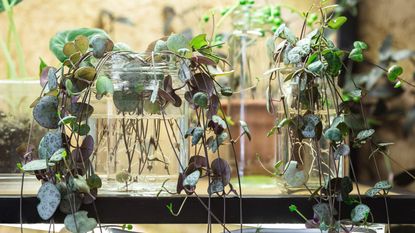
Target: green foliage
[[337, 22], [58, 42], [394, 72]]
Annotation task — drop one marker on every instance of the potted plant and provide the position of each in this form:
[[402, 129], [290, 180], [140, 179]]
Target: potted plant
[[67, 152], [315, 124]]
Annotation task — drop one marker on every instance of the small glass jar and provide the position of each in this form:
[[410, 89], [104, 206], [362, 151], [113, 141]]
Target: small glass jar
[[139, 136], [311, 155]]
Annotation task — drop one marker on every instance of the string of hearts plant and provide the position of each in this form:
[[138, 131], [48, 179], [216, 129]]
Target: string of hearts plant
[[64, 108], [310, 65]]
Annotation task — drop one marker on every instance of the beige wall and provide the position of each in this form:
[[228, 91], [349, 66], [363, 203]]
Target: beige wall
[[39, 20], [377, 19]]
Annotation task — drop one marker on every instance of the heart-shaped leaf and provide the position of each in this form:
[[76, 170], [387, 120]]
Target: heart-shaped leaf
[[316, 67], [365, 134], [356, 55], [85, 73], [58, 155], [197, 135], [82, 111], [86, 149], [337, 22], [50, 198], [199, 41], [46, 112], [82, 43], [192, 179], [52, 79], [126, 101], [200, 99], [360, 213], [217, 124], [360, 45], [100, 45], [94, 181], [394, 72], [35, 165], [294, 176], [160, 46], [215, 143], [226, 91], [342, 150], [50, 143], [69, 49], [216, 186], [104, 85], [333, 134], [222, 170], [322, 210], [78, 184], [79, 222], [178, 44]]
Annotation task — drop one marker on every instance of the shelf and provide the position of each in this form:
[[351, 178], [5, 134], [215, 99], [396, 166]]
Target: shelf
[[256, 209]]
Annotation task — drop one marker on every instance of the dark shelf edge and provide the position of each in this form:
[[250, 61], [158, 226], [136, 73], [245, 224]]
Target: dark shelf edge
[[256, 209]]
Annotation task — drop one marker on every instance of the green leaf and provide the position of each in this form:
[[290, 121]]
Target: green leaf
[[316, 67], [355, 93], [272, 131], [79, 222], [160, 46], [360, 44], [200, 99], [337, 22], [79, 184], [398, 84], [226, 91], [178, 44], [356, 55], [246, 130], [284, 122], [365, 134], [50, 198], [342, 150], [394, 72], [334, 62], [104, 85], [360, 213], [333, 134], [94, 181], [322, 210], [11, 3], [294, 176], [197, 135], [384, 185], [199, 42], [35, 165], [58, 155], [42, 65], [58, 41], [192, 178]]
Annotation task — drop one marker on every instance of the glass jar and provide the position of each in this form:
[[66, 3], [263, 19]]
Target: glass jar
[[312, 155], [247, 44], [139, 137]]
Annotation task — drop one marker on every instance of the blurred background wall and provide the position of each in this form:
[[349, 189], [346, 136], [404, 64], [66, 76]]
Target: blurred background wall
[[139, 22]]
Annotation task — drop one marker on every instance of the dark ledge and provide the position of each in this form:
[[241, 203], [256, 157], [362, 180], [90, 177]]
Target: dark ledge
[[256, 209]]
